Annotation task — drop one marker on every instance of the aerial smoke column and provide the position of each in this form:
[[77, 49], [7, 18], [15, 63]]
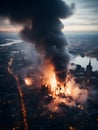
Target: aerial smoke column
[[42, 27]]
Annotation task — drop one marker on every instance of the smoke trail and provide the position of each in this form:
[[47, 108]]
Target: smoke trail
[[42, 27]]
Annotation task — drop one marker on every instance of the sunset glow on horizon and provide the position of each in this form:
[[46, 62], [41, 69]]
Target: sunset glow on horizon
[[84, 18]]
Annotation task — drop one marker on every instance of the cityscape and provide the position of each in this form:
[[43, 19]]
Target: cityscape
[[49, 65], [23, 106]]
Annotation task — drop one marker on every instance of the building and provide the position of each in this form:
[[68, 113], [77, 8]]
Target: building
[[88, 70]]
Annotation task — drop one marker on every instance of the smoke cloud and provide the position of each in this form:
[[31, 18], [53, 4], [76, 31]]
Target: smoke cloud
[[42, 27]]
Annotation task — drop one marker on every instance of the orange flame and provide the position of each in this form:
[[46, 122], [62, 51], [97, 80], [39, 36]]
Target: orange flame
[[67, 93], [28, 81], [49, 78]]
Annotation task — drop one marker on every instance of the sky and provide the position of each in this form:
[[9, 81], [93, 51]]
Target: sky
[[85, 18]]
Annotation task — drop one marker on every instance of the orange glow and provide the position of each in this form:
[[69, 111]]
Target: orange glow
[[68, 93], [70, 88], [11, 29], [72, 128], [49, 78], [28, 81]]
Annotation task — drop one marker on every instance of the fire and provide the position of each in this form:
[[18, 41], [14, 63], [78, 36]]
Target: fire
[[49, 78], [68, 93], [69, 88], [28, 81]]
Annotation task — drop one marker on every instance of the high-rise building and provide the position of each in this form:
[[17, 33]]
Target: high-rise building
[[89, 70]]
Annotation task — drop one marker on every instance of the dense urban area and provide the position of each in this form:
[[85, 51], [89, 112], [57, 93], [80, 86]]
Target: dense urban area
[[24, 107]]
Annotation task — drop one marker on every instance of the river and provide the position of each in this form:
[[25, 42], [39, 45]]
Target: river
[[84, 61]]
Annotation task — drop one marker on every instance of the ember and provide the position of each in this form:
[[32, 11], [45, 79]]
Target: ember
[[28, 81], [72, 128]]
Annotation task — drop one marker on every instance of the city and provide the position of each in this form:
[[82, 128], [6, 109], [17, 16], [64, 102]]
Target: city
[[30, 107], [49, 65]]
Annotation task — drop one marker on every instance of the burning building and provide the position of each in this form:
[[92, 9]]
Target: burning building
[[57, 91], [42, 27]]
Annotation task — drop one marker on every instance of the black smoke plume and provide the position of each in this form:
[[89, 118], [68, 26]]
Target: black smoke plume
[[42, 26]]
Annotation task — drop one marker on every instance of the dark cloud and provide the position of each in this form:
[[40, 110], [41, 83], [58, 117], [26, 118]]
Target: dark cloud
[[42, 26], [21, 10]]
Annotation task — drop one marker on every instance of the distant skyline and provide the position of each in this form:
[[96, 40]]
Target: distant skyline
[[85, 18]]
